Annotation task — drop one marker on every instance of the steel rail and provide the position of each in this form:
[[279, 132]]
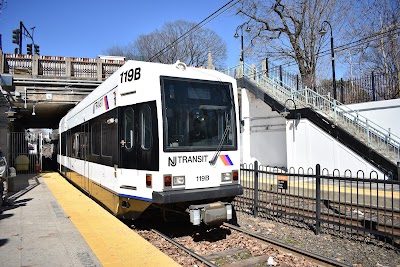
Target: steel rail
[[190, 252], [321, 260]]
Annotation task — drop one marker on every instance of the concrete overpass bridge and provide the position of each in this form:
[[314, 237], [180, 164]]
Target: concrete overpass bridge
[[38, 90]]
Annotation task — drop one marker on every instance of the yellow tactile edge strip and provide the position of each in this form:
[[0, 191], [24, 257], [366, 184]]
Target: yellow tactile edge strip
[[113, 243]]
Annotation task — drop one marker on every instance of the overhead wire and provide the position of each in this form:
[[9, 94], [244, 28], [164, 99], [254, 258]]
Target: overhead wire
[[373, 37], [227, 6], [209, 18]]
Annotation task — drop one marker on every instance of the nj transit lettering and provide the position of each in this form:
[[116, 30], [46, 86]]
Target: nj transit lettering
[[172, 161]]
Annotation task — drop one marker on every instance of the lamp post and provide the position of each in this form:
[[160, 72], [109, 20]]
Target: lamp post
[[323, 32], [248, 29], [297, 116], [285, 113]]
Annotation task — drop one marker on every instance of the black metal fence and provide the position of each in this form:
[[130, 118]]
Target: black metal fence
[[23, 152], [348, 204], [282, 76], [371, 87]]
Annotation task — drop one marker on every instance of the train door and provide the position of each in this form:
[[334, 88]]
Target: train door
[[69, 154], [128, 138], [139, 137], [85, 155], [148, 149]]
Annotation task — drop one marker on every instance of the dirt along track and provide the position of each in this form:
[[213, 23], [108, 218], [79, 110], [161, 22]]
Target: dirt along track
[[223, 246]]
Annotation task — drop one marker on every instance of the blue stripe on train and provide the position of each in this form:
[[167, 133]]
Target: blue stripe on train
[[136, 197]]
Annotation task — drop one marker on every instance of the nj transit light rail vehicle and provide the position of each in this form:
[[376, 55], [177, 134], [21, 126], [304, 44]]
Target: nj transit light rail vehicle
[[156, 137]]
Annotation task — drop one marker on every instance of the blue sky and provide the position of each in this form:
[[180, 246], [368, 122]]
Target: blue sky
[[86, 28]]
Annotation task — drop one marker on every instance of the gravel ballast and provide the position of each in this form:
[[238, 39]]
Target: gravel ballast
[[348, 249]]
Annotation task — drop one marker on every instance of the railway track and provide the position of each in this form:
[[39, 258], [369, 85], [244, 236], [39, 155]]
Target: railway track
[[241, 254], [182, 247], [315, 258]]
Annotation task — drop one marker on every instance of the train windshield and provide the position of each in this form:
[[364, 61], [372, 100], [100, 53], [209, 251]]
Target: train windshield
[[198, 115]]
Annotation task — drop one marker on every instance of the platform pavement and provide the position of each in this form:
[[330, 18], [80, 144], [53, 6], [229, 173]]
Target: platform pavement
[[36, 231]]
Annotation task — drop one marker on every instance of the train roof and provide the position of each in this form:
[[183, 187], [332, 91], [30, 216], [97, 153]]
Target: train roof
[[179, 69]]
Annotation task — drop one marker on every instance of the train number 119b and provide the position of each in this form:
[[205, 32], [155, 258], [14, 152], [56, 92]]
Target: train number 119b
[[130, 75]]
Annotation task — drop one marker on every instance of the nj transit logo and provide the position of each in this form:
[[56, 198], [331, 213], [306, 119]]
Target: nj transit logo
[[106, 103], [99, 104], [226, 160]]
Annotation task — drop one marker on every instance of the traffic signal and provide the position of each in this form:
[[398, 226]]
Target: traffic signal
[[16, 35], [29, 49], [37, 51]]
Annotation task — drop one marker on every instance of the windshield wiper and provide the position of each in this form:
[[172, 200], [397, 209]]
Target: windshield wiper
[[218, 151]]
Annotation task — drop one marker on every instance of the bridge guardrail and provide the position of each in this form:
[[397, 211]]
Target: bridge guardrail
[[59, 67]]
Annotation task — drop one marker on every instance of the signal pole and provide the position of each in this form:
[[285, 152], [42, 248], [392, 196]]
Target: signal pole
[[17, 36], [20, 36]]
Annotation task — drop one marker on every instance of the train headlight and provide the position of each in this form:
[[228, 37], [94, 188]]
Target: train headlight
[[226, 177], [178, 180]]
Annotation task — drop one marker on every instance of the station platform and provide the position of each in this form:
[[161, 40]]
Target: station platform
[[48, 222]]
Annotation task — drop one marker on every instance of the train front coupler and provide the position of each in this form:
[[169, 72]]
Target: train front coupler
[[212, 214]]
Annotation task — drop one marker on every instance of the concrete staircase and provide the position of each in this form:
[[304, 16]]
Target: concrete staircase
[[377, 139]]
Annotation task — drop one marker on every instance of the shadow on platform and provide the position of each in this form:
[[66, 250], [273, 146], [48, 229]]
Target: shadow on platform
[[18, 186]]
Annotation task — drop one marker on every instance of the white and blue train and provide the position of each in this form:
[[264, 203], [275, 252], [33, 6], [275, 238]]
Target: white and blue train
[[156, 136]]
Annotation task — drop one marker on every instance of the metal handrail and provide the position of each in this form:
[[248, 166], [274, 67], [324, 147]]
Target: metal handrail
[[371, 134]]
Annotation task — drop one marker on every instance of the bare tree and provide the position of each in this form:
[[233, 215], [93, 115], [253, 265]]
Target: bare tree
[[179, 40], [124, 51], [289, 30], [162, 45], [380, 29]]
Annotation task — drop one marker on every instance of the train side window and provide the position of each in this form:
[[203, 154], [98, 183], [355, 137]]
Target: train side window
[[129, 128], [69, 144], [145, 127], [107, 140], [95, 132], [83, 141], [64, 144], [76, 146]]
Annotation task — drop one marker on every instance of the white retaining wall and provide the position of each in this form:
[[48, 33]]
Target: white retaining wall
[[263, 134], [308, 145], [273, 141], [385, 113]]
